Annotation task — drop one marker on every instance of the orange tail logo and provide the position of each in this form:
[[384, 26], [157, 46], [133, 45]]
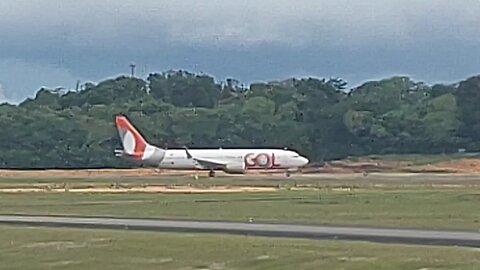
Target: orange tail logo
[[133, 142]]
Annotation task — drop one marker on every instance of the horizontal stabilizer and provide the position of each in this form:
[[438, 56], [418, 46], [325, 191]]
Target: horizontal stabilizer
[[119, 153]]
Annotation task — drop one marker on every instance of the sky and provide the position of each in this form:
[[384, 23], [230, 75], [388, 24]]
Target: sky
[[51, 43]]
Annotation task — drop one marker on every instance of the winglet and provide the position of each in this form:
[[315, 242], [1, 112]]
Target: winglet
[[189, 156]]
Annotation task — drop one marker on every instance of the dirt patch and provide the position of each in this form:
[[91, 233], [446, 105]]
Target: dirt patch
[[110, 173], [360, 166], [461, 165], [92, 173], [59, 245], [148, 189], [62, 263]]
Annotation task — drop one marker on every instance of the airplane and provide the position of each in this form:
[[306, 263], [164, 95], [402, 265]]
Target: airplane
[[231, 161]]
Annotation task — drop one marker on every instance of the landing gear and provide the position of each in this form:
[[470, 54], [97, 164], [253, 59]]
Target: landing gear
[[287, 174], [211, 173]]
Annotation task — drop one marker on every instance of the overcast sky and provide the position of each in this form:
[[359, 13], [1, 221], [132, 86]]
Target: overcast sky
[[57, 42]]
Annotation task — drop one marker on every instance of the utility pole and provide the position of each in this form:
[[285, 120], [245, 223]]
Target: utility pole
[[132, 67]]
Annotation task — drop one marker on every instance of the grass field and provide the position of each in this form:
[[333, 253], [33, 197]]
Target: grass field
[[48, 248], [425, 203]]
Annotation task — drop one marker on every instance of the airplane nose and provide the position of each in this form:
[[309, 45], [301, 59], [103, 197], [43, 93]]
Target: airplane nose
[[304, 161]]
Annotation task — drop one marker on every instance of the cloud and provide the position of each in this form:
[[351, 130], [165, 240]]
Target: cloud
[[242, 23], [22, 79], [54, 43], [2, 95]]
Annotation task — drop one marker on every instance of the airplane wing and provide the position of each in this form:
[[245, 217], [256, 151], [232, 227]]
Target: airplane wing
[[206, 163], [209, 164]]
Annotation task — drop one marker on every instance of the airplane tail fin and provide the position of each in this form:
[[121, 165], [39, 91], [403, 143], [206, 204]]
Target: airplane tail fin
[[135, 147], [133, 142]]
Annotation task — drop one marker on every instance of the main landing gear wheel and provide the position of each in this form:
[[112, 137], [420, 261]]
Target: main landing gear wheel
[[211, 173], [287, 174]]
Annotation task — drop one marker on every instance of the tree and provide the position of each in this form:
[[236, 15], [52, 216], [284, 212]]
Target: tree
[[317, 117], [468, 98], [185, 89]]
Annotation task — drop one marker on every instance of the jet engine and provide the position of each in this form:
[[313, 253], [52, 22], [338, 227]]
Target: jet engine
[[235, 168]]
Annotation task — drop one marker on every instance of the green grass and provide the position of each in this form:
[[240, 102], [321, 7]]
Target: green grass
[[416, 207], [54, 248], [423, 201]]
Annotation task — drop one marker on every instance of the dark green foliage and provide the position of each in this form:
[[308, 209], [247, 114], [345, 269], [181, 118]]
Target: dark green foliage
[[317, 117], [181, 88], [468, 98]]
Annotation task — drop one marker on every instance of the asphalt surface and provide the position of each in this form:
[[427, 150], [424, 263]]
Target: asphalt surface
[[406, 236]]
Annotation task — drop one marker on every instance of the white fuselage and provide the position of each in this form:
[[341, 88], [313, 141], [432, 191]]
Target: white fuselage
[[136, 148], [249, 158]]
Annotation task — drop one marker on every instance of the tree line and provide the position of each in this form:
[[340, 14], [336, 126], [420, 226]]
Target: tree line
[[318, 117]]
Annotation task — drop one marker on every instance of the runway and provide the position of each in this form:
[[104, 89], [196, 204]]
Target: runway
[[405, 236]]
